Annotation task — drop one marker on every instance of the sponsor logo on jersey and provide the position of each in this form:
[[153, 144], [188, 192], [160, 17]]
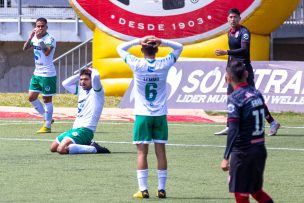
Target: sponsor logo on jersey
[[37, 47], [246, 36], [237, 34], [37, 55]]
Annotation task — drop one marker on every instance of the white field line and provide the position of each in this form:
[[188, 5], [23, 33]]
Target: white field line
[[174, 145], [7, 122]]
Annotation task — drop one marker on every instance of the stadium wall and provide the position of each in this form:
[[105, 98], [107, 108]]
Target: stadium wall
[[17, 66]]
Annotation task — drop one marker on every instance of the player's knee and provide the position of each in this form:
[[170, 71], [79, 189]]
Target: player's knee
[[53, 149], [61, 150], [31, 99], [47, 99], [54, 146], [142, 153]]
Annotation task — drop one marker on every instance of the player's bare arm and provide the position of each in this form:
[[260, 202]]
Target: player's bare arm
[[27, 44], [46, 49]]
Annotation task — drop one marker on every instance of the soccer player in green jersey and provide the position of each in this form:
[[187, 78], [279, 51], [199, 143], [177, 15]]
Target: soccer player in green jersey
[[78, 140], [150, 75], [44, 78]]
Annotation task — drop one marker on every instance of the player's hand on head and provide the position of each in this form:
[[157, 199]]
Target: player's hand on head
[[90, 68], [225, 165], [145, 40], [157, 41]]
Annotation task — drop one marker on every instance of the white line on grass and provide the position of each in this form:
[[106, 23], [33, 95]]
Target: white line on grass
[[131, 123], [174, 145]]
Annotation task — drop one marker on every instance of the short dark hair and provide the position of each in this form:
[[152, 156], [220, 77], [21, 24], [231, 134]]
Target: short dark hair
[[41, 20], [236, 69], [234, 11], [150, 48], [86, 71]]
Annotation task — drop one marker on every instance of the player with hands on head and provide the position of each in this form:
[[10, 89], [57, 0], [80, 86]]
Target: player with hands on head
[[44, 78], [78, 140], [150, 75], [245, 153]]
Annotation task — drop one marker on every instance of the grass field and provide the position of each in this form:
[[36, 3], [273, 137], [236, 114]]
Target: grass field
[[60, 100], [30, 173]]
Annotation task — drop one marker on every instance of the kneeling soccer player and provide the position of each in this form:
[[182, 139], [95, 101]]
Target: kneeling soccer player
[[78, 140]]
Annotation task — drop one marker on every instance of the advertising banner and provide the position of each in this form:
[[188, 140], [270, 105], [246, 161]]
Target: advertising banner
[[183, 20], [201, 85]]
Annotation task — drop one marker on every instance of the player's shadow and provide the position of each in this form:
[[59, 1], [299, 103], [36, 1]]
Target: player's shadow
[[218, 199], [56, 132], [123, 152], [288, 135]]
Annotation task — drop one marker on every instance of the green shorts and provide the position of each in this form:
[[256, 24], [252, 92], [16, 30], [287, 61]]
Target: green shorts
[[45, 85], [82, 136], [150, 129]]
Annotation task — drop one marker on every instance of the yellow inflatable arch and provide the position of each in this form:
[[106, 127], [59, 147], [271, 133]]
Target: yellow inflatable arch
[[264, 17]]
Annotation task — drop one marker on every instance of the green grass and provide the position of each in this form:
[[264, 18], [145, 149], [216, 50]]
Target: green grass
[[60, 100], [30, 173]]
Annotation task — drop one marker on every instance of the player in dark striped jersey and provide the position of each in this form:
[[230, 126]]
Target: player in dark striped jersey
[[239, 48], [245, 153]]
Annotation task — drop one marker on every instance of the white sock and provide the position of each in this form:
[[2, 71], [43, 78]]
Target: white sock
[[48, 115], [38, 106], [162, 179], [142, 177], [81, 149]]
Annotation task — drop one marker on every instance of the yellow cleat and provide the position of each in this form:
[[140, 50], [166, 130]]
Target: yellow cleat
[[44, 129], [141, 194]]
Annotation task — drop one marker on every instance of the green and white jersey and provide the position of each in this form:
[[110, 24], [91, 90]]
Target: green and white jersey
[[90, 102], [44, 64], [150, 76]]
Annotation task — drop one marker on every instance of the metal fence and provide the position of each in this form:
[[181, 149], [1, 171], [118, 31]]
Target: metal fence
[[54, 9], [297, 16], [72, 61]]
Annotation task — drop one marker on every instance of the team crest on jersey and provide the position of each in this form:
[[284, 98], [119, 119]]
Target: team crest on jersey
[[47, 88], [230, 108], [151, 69]]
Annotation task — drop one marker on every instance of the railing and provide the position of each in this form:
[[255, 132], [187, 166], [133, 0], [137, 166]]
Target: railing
[[297, 16], [21, 10], [72, 61], [55, 9]]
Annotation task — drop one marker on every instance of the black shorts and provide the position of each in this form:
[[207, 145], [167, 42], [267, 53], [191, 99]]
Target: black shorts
[[250, 79], [247, 169]]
